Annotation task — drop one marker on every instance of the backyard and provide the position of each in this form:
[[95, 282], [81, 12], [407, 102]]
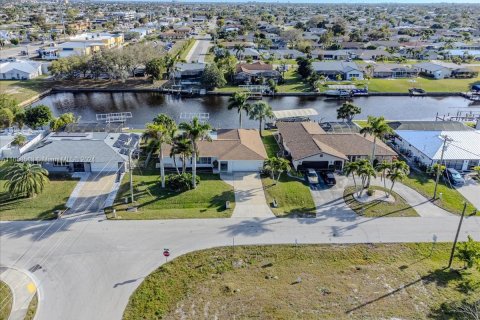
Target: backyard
[[401, 281], [42, 206], [378, 208], [153, 202]]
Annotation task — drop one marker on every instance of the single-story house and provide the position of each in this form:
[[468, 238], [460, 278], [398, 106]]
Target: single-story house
[[246, 53], [83, 151], [188, 73], [230, 150], [433, 70], [370, 54], [392, 70], [330, 69], [283, 53], [331, 54], [13, 69], [250, 73], [309, 146]]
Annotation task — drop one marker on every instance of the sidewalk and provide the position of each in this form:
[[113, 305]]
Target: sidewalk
[[23, 289]]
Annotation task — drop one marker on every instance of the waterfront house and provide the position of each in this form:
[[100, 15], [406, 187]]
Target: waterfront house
[[309, 146], [188, 73], [14, 69], [230, 150], [392, 70], [249, 73], [433, 70], [331, 54], [331, 69]]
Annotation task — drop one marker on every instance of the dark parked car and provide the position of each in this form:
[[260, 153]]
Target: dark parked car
[[454, 177], [329, 178]]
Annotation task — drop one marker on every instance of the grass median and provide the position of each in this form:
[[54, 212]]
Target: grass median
[[6, 298], [402, 281]]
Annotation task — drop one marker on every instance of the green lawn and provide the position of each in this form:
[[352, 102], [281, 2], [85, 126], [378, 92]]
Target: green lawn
[[22, 90], [32, 308], [377, 208], [451, 200], [293, 83], [185, 49], [153, 202], [42, 206], [271, 145], [292, 195], [6, 299], [402, 85], [365, 281]]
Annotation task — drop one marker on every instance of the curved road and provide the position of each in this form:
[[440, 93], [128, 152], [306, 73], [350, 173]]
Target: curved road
[[87, 269]]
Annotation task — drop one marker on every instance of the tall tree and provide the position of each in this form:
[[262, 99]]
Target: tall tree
[[183, 147], [260, 111], [195, 131], [239, 101], [6, 118], [397, 172], [212, 77], [159, 134], [38, 116], [59, 123], [378, 128], [23, 178], [348, 111]]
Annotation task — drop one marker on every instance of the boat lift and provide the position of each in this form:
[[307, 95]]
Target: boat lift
[[114, 117], [202, 116]]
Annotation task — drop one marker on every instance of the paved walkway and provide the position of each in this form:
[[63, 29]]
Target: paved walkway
[[471, 191], [23, 289], [91, 193], [249, 195]]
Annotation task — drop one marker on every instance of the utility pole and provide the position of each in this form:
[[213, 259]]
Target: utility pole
[[439, 164], [131, 174], [456, 236]]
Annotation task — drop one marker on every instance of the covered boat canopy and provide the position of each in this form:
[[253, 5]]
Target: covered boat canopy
[[294, 113]]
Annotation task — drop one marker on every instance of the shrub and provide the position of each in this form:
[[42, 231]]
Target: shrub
[[370, 192], [181, 182]]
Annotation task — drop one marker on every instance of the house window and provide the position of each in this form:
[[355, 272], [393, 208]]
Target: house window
[[204, 160]]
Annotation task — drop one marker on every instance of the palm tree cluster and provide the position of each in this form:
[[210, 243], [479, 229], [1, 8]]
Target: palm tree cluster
[[184, 144], [275, 166], [259, 111], [363, 168], [25, 179], [378, 128]]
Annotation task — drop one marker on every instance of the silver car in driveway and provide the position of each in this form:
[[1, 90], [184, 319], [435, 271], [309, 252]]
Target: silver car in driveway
[[312, 176]]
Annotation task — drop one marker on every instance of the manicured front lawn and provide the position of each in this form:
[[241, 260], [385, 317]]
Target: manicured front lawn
[[293, 82], [153, 202], [378, 208], [271, 145], [365, 281], [42, 206], [451, 200], [6, 299], [292, 195], [429, 85]]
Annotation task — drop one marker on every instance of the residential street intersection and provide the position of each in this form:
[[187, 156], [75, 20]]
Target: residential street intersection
[[87, 267]]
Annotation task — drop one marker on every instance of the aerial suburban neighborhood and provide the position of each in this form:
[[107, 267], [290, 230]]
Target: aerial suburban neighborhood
[[239, 160]]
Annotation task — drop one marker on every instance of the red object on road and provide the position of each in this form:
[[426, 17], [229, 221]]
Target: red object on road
[[166, 252]]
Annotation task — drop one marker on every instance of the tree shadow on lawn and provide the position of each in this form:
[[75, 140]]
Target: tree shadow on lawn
[[10, 203], [440, 277]]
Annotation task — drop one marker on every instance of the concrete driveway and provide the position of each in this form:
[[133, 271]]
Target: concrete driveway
[[249, 195], [91, 192], [471, 191]]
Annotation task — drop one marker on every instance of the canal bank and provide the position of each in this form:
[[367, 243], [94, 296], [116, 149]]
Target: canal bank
[[145, 105]]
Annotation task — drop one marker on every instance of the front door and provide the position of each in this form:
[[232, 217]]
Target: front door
[[465, 165], [78, 167], [223, 166]]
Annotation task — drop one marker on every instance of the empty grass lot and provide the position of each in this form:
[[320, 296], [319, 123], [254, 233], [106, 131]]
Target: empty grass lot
[[22, 90], [6, 299], [54, 196], [292, 195], [153, 202], [378, 208], [269, 142], [385, 281]]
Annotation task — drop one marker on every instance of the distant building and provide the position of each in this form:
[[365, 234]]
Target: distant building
[[331, 69], [13, 69]]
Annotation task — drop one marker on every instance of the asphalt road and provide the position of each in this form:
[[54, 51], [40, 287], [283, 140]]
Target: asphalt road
[[88, 269], [200, 49]]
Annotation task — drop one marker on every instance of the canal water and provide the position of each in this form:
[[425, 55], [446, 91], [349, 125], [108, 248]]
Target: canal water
[[144, 106]]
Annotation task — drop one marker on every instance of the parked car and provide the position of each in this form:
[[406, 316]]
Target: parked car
[[454, 177], [329, 178], [312, 176]]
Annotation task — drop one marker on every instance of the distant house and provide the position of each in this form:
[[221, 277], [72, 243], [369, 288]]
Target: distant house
[[246, 53], [229, 150], [249, 73], [283, 53], [370, 54], [309, 146], [188, 73], [13, 69], [433, 70], [331, 54], [330, 69], [83, 151], [392, 70]]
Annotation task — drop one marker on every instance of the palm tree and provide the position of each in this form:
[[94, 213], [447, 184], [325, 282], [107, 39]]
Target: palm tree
[[261, 111], [159, 134], [276, 165], [398, 171], [378, 128], [195, 131], [347, 111], [365, 171], [239, 101], [384, 167], [351, 168], [183, 147], [25, 178]]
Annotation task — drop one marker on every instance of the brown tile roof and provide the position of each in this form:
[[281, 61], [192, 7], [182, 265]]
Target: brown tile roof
[[232, 144], [244, 67], [305, 139]]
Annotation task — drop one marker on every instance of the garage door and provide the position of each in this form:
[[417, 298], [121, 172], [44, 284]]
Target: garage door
[[319, 165]]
